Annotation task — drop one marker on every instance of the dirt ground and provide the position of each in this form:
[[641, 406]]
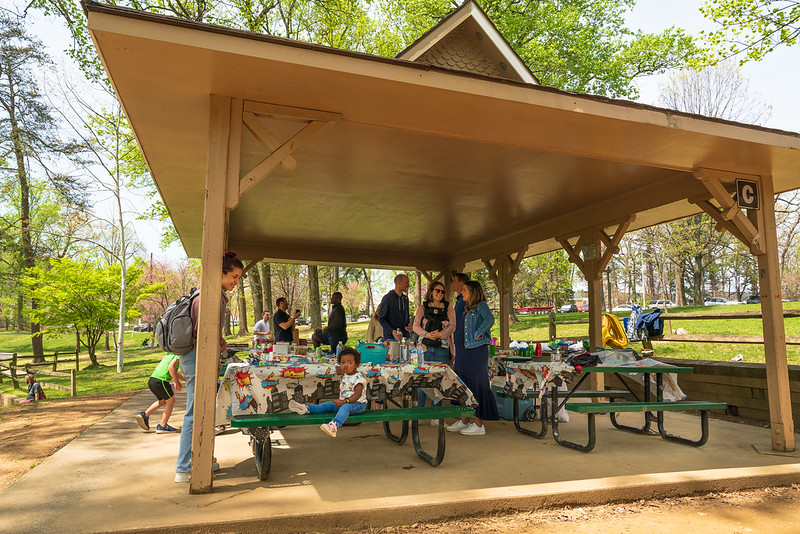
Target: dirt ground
[[32, 432]]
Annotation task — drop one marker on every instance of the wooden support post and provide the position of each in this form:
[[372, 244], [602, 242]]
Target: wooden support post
[[552, 324], [73, 382], [208, 323], [55, 360], [13, 370], [503, 278], [769, 281], [592, 260]]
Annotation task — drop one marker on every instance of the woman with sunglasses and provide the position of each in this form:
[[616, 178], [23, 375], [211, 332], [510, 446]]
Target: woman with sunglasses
[[434, 322]]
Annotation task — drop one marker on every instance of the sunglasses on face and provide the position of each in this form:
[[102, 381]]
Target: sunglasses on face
[[438, 290]]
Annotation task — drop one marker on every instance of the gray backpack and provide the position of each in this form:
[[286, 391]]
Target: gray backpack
[[174, 332]]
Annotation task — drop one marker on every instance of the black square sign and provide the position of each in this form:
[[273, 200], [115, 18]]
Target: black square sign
[[747, 194]]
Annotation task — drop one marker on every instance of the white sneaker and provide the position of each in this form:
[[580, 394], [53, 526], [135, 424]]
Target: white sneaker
[[330, 428], [473, 430], [297, 408], [182, 477], [458, 426], [435, 422]]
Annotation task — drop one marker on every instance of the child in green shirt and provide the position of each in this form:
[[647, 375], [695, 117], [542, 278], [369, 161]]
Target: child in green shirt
[[159, 384]]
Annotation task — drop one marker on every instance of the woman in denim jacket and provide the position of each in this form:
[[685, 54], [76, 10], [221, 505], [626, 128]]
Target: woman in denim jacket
[[472, 363]]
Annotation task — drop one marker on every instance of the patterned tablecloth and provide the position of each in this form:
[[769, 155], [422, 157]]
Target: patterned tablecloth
[[267, 388], [523, 376]]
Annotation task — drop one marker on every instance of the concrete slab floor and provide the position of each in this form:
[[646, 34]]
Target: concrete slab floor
[[115, 477]]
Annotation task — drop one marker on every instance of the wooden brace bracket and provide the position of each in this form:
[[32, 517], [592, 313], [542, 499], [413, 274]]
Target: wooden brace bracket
[[728, 216], [592, 269], [281, 153]]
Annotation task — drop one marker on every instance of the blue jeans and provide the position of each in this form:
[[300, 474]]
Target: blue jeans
[[333, 341], [187, 368], [433, 355], [342, 413]]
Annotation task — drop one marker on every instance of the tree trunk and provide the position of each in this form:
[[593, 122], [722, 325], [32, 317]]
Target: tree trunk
[[418, 289], [243, 330], [123, 289], [370, 303], [512, 315], [649, 273], [20, 307], [25, 215], [679, 297], [256, 293], [697, 272], [266, 286], [108, 341], [226, 323], [313, 297], [336, 278]]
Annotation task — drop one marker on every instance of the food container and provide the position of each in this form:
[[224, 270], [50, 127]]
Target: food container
[[372, 352]]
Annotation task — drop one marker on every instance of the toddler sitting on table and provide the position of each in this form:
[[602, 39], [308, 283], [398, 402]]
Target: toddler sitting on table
[[352, 394]]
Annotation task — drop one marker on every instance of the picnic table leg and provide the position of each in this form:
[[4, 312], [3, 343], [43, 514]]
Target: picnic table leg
[[542, 415], [433, 461], [647, 415], [669, 437], [404, 424], [262, 448], [577, 446]]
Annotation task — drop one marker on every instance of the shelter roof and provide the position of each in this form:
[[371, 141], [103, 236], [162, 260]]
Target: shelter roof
[[421, 166], [468, 41]]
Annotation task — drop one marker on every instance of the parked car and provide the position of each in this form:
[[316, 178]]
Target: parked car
[[660, 303], [362, 318], [718, 301], [623, 307], [754, 299], [568, 308], [301, 321], [143, 327]]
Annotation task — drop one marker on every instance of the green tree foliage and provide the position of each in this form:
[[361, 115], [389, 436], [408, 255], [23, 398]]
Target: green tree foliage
[[544, 280], [577, 45], [751, 29], [30, 141], [83, 296]]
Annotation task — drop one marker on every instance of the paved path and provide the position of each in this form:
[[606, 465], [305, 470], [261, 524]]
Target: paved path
[[115, 477]]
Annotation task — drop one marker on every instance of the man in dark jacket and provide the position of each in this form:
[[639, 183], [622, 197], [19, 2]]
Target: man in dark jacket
[[337, 322], [394, 314], [336, 330]]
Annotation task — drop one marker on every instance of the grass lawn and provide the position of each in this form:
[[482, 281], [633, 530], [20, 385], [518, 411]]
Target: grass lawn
[[140, 361]]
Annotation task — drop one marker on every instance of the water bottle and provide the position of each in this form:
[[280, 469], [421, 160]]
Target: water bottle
[[420, 354], [339, 348], [403, 350]]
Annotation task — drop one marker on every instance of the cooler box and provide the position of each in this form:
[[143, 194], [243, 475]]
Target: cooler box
[[505, 407], [372, 352]]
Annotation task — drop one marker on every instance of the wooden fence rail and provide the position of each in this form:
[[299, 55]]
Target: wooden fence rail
[[696, 338], [10, 368]]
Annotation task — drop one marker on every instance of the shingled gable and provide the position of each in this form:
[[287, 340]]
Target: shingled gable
[[467, 41]]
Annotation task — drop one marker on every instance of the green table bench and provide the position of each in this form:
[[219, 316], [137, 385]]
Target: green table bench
[[261, 424], [543, 417], [612, 408]]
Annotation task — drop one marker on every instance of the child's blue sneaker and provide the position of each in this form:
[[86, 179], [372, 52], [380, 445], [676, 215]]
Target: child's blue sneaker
[[164, 429], [143, 420]]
